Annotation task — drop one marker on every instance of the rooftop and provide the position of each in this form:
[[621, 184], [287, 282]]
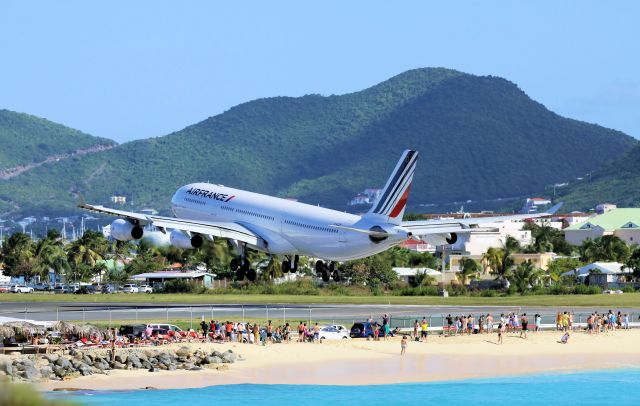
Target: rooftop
[[612, 220]]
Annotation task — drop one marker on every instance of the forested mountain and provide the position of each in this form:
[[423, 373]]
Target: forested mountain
[[616, 182], [26, 140], [479, 138]]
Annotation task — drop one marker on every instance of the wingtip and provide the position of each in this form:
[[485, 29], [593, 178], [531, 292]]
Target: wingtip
[[81, 202]]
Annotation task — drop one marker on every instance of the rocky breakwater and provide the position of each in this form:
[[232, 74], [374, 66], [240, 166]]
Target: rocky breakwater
[[75, 363]]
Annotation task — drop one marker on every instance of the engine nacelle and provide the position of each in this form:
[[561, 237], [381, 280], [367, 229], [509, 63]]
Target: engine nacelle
[[181, 240], [122, 230], [440, 239]]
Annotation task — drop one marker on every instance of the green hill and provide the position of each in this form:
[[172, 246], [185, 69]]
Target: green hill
[[616, 182], [26, 139], [479, 138]]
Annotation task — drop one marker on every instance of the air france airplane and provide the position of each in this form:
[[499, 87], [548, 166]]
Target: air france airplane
[[205, 211]]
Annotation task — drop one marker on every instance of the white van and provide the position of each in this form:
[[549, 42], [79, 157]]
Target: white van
[[130, 288]]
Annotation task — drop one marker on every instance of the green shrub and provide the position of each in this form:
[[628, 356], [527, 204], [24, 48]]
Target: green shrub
[[182, 286], [587, 290]]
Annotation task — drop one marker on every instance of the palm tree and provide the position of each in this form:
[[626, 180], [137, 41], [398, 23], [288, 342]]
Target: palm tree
[[492, 259], [525, 276], [18, 255], [50, 256], [469, 269]]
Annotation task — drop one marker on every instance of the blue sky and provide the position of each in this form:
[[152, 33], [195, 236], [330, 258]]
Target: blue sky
[[135, 69]]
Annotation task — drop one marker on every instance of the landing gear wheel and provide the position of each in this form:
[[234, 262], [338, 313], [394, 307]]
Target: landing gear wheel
[[251, 274], [240, 274], [294, 267], [234, 264], [325, 275], [286, 266], [336, 276], [319, 267]]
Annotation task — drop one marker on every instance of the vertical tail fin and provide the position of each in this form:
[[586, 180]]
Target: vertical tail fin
[[393, 199]]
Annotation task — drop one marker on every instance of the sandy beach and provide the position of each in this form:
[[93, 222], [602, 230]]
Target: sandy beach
[[361, 362]]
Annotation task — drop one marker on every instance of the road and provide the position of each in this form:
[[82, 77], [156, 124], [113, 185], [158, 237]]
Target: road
[[402, 315]]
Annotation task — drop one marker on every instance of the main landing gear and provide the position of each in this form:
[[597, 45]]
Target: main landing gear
[[327, 272], [288, 266], [242, 267]]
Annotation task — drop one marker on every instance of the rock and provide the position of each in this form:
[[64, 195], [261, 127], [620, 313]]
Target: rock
[[187, 366], [216, 353], [31, 374], [64, 363], [73, 352], [183, 352], [117, 365], [195, 368], [6, 367], [222, 367], [46, 372], [154, 369], [59, 371], [52, 358], [87, 360], [172, 367], [146, 364], [121, 358], [229, 357], [84, 369], [214, 360], [76, 363], [164, 367]]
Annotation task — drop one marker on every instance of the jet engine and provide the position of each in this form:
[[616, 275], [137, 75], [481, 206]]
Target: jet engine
[[123, 230], [440, 239], [181, 240]]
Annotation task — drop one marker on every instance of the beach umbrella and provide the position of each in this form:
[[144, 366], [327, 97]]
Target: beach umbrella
[[67, 328], [7, 331], [88, 330], [25, 328]]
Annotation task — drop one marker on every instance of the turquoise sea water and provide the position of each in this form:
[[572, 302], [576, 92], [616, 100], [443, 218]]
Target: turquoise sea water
[[612, 387]]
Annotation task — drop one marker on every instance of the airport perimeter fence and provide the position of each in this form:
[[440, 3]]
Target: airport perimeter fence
[[191, 316]]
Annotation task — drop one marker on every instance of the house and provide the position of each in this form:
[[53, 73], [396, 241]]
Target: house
[[604, 274], [199, 277], [408, 275], [533, 204], [623, 223], [605, 208], [539, 260], [417, 245], [4, 279]]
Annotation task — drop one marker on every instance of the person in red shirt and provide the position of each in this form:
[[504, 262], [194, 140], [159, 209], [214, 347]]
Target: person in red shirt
[[228, 328]]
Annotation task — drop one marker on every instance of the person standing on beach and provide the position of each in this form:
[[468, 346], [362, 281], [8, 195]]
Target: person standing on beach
[[626, 321], [489, 323], [403, 345], [416, 326], [256, 333], [481, 324], [525, 325], [424, 328], [501, 329], [538, 322], [449, 323]]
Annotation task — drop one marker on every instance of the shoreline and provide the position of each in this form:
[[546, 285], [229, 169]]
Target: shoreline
[[361, 362]]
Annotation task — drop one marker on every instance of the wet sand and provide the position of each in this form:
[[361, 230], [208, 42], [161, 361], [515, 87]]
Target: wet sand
[[361, 362]]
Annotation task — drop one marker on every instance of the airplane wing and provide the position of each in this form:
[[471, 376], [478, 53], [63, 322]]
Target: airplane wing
[[426, 227], [209, 229]]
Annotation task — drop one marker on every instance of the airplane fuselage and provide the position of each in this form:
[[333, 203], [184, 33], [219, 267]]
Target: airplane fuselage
[[291, 228]]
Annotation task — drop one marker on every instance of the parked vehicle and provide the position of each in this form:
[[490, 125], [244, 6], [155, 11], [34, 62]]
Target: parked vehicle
[[109, 289], [364, 330], [332, 333], [21, 289], [62, 289], [340, 328], [41, 287], [132, 330], [130, 288], [5, 288], [146, 289], [169, 327], [86, 289]]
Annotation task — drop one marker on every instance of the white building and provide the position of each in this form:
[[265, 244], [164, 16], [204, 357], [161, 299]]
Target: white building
[[408, 275], [600, 273], [533, 204], [605, 207]]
